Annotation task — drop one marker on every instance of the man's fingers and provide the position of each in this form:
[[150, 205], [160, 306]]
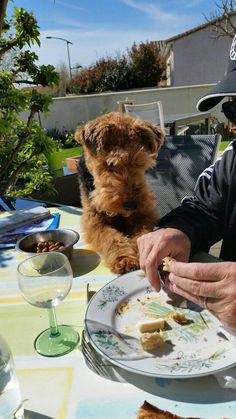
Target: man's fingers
[[191, 297], [153, 277], [197, 288], [143, 255], [151, 269], [211, 304], [200, 271]]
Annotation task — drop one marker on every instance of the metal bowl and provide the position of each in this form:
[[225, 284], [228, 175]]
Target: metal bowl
[[65, 235]]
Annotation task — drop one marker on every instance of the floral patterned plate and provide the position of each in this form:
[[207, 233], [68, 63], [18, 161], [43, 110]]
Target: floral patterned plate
[[195, 349]]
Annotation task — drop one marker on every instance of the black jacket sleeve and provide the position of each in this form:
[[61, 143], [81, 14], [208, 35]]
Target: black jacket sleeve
[[202, 216]]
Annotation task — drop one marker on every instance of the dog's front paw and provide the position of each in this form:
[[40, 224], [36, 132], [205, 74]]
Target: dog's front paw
[[124, 264]]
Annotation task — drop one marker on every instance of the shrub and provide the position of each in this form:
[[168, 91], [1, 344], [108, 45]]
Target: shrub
[[84, 82], [24, 145], [63, 138], [113, 74], [142, 66]]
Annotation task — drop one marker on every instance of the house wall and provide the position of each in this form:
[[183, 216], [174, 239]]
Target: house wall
[[199, 58], [67, 112]]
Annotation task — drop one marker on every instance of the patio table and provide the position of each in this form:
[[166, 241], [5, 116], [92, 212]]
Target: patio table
[[175, 121], [64, 387]]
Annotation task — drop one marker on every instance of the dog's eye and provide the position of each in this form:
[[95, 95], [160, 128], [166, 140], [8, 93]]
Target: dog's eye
[[139, 165]]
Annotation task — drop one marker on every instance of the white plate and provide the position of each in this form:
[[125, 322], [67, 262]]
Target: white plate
[[191, 350]]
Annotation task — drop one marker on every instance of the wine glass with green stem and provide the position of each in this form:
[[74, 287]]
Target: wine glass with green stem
[[44, 281]]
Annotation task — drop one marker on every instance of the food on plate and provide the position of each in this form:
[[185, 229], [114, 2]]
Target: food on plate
[[167, 261], [152, 341], [151, 325], [179, 317], [177, 301], [148, 411], [46, 246], [122, 308]]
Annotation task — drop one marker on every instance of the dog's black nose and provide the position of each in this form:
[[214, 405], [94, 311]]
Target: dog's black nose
[[130, 205]]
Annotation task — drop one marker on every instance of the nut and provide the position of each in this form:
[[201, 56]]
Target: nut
[[46, 246]]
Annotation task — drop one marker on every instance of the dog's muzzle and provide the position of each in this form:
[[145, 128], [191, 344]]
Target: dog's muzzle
[[129, 205]]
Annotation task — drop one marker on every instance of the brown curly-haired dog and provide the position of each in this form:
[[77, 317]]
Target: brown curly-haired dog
[[118, 206]]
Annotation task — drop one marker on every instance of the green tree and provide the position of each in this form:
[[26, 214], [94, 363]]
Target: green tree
[[148, 66], [23, 143]]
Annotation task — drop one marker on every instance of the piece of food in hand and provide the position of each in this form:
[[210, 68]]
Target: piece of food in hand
[[167, 261], [179, 317], [152, 341], [151, 325], [148, 411]]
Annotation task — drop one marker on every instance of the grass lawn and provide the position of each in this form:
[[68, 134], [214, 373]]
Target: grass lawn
[[57, 159], [223, 145]]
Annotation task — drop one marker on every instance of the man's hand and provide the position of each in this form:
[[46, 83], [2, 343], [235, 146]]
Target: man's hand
[[214, 281], [154, 247]]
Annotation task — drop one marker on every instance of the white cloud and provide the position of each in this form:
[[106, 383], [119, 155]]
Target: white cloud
[[68, 5], [177, 15], [62, 22], [152, 10], [194, 3]]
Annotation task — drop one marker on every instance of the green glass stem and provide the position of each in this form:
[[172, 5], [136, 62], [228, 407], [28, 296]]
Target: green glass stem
[[53, 322]]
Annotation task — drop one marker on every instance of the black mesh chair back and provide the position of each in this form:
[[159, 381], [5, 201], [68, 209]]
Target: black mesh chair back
[[181, 160]]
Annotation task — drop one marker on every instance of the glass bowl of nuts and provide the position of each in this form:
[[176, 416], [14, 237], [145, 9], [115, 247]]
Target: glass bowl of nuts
[[59, 240]]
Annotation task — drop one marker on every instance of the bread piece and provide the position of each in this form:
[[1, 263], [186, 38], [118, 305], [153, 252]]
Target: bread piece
[[148, 411], [151, 341], [167, 261], [151, 325], [179, 317]]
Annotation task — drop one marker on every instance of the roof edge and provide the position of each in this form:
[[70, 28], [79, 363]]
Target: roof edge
[[197, 28]]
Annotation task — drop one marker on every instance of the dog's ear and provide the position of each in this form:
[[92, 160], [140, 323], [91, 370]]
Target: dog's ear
[[150, 134], [96, 135], [83, 136], [79, 135]]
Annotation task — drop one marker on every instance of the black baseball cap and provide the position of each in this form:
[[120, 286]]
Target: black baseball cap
[[225, 87]]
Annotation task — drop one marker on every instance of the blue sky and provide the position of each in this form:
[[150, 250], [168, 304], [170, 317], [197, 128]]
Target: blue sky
[[100, 28]]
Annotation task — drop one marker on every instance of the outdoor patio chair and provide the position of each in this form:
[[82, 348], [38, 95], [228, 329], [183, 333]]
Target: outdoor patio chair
[[150, 111], [181, 160]]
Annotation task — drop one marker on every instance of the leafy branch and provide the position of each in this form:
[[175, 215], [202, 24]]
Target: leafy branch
[[223, 19], [24, 143]]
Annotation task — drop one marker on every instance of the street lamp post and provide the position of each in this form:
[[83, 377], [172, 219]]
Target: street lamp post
[[68, 50]]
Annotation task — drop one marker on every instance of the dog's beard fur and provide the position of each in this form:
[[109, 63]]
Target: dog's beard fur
[[120, 177], [110, 202]]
